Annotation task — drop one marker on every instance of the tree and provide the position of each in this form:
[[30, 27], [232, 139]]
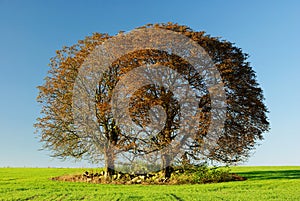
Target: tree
[[245, 122]]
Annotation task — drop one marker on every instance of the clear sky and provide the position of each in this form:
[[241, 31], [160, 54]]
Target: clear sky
[[31, 31]]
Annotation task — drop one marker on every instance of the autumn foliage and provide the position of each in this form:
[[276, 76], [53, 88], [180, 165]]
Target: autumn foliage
[[244, 126]]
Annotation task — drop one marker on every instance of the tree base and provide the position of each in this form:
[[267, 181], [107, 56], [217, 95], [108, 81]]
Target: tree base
[[178, 177]]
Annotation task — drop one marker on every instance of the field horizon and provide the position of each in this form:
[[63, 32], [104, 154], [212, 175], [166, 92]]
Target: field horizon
[[263, 183]]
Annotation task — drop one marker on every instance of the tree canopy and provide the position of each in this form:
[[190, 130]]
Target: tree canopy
[[245, 112]]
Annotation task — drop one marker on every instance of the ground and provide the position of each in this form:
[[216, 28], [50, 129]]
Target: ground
[[264, 183]]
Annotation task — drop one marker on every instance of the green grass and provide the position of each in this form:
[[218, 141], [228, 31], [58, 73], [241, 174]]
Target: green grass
[[264, 183]]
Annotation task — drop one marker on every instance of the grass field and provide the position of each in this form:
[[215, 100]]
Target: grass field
[[264, 183]]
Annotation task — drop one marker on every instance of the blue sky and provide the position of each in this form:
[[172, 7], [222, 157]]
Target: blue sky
[[31, 31]]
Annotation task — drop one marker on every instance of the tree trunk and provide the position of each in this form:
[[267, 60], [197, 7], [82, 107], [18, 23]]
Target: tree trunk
[[167, 169], [109, 163]]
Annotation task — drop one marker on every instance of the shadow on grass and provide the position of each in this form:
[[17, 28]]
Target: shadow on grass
[[265, 175]]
